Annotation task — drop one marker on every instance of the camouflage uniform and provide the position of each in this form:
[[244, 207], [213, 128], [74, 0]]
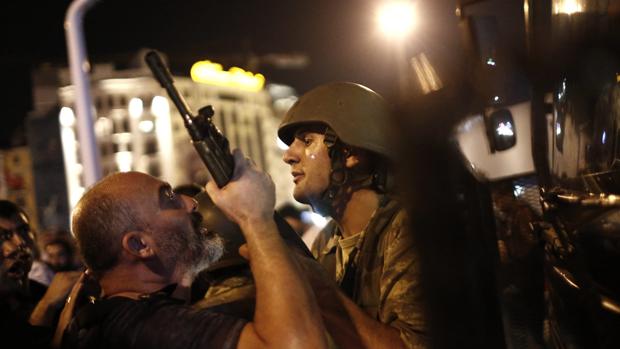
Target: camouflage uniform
[[381, 275]]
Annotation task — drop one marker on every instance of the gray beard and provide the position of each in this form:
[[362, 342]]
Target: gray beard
[[192, 251], [208, 250]]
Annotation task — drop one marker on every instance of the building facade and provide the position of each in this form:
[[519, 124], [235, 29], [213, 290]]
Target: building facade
[[137, 128]]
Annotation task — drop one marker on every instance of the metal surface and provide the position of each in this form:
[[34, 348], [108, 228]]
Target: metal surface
[[79, 68]]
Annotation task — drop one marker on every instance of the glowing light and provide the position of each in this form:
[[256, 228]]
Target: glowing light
[[562, 91], [505, 129], [281, 144], [568, 7], [603, 138], [526, 16], [207, 72], [396, 18], [69, 150], [558, 129], [163, 132], [526, 10], [136, 107], [496, 99], [123, 160], [518, 190], [160, 106], [103, 126], [66, 117], [425, 73], [490, 61], [315, 218], [146, 126]]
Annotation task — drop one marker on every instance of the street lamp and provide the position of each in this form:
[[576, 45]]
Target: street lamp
[[396, 19]]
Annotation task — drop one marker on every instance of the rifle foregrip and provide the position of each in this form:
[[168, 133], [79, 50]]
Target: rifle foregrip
[[220, 171]]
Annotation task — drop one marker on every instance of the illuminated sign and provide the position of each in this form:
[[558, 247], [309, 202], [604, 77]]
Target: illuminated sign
[[207, 72]]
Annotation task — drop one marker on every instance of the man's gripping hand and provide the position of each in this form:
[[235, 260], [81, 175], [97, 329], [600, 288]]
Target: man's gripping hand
[[249, 197]]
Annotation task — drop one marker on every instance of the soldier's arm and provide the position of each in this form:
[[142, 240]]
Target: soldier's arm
[[401, 322], [348, 324], [401, 299]]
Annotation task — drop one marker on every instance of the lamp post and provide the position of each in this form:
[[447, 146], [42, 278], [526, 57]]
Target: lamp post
[[396, 20], [80, 68]]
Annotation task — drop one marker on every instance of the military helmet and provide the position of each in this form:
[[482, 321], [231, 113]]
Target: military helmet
[[358, 115]]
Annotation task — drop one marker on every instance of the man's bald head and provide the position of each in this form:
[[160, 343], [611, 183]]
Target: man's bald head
[[117, 204]]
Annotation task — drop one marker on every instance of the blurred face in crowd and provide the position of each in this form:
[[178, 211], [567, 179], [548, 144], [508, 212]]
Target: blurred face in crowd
[[58, 257], [310, 165], [181, 240], [15, 258]]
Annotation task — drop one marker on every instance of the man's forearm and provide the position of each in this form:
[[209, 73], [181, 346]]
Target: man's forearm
[[349, 325], [43, 314], [352, 328], [373, 333], [285, 305]]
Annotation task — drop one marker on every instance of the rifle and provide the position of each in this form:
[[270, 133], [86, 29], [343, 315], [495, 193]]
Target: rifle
[[212, 146]]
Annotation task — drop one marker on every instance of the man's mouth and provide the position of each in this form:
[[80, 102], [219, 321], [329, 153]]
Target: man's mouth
[[199, 228], [196, 219], [16, 271], [297, 176]]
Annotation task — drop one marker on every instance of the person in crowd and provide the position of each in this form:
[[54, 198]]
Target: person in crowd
[[60, 253], [15, 217], [29, 310], [340, 157], [145, 244], [294, 216]]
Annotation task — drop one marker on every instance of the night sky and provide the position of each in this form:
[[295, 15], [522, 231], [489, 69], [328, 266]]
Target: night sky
[[339, 38]]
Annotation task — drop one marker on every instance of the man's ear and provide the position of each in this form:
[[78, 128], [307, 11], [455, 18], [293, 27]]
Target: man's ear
[[138, 244]]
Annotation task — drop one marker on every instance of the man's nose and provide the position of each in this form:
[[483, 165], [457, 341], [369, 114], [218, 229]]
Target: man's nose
[[291, 156], [18, 240], [15, 247], [190, 203]]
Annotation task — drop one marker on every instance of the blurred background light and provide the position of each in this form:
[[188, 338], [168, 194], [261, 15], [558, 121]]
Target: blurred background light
[[396, 18], [66, 117], [136, 108], [146, 126], [568, 7]]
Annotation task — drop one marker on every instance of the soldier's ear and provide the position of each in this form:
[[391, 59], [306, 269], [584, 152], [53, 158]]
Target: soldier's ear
[[138, 244], [353, 157], [352, 160]]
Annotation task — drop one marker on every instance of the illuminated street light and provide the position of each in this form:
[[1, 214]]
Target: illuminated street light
[[396, 18], [568, 7]]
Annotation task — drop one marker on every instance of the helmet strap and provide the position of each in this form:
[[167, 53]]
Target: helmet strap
[[342, 181]]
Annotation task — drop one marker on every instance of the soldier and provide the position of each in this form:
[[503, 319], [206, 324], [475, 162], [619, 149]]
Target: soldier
[[340, 162]]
